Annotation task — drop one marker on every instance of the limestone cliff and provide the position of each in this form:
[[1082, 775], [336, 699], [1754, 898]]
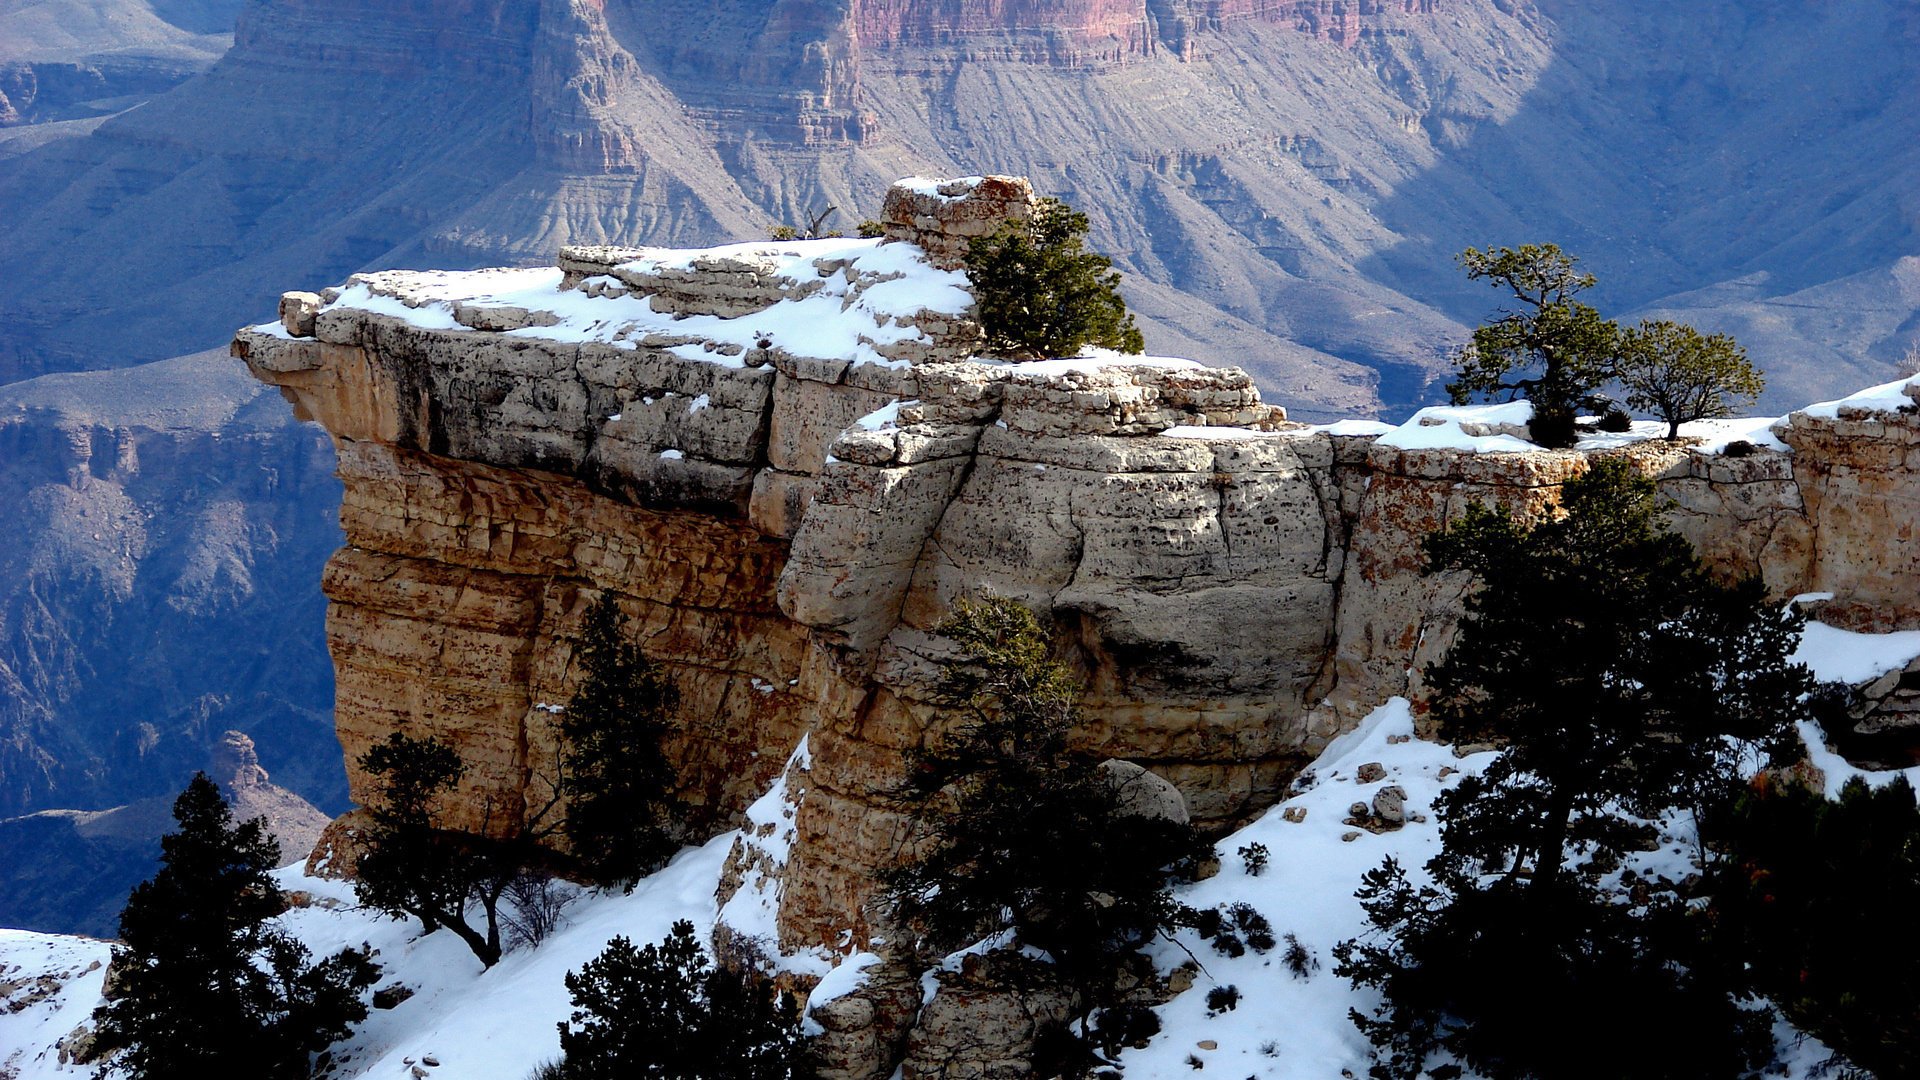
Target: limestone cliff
[[781, 460]]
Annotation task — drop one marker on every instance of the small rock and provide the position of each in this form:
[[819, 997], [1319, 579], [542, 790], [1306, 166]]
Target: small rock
[[1206, 868], [1446, 771], [1396, 740], [1349, 837], [419, 1073], [1359, 812], [1371, 773], [388, 997], [1180, 980], [1295, 814], [1207, 1044], [430, 1061], [1390, 805]]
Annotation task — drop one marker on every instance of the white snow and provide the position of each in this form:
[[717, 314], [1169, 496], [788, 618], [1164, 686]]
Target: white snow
[[1837, 655], [884, 418], [699, 403], [844, 979], [1298, 1029], [924, 185], [671, 455], [273, 329], [1886, 397], [859, 308], [1445, 427], [1716, 434], [28, 1032], [768, 838]]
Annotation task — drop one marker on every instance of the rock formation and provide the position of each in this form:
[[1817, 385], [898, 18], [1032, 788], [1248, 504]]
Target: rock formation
[[782, 462]]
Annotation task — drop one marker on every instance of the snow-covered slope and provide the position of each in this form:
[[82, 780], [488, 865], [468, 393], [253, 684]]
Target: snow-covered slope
[[500, 1024]]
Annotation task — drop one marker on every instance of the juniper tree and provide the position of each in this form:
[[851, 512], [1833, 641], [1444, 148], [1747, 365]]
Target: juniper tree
[[615, 774], [1553, 350], [1012, 828], [412, 866], [664, 1011], [203, 982], [1041, 293], [1680, 375], [1619, 680]]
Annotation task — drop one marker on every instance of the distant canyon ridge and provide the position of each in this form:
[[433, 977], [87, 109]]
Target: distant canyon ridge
[[1285, 181]]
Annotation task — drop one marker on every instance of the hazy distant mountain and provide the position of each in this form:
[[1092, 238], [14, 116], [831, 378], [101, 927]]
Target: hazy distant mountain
[[1286, 181], [159, 584]]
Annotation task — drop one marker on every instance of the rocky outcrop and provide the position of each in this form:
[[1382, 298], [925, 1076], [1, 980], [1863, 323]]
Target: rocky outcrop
[[780, 461]]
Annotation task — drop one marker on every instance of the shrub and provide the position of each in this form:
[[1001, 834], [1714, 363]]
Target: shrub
[[535, 904], [664, 1011], [1299, 959], [204, 983], [1254, 858], [1223, 999], [871, 229], [1040, 293], [1121, 1026], [1253, 926]]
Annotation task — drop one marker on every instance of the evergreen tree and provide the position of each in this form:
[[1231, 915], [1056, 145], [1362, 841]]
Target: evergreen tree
[[663, 1011], [615, 773], [1620, 681], [1803, 885], [411, 866], [1040, 293], [1012, 828], [1554, 350], [203, 983], [1681, 375]]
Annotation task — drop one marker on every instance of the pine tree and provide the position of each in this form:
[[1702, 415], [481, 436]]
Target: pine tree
[[1012, 828], [1681, 375], [663, 1011], [615, 772], [1040, 293], [204, 984], [1614, 674], [1554, 350]]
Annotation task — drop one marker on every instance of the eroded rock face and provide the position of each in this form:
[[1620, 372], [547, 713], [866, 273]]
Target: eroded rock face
[[781, 462]]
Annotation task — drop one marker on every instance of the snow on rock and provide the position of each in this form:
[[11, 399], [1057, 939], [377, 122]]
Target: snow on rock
[[750, 914], [49, 987], [1479, 429], [1837, 655], [1093, 360], [845, 299], [498, 1024], [1354, 428], [1298, 1028], [848, 976], [1224, 433], [1900, 394]]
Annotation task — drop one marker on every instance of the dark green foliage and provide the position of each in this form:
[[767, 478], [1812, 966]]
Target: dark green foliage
[[1223, 999], [1680, 374], [1042, 294], [1553, 350], [664, 1011], [1012, 827], [1254, 858], [1809, 893], [1618, 679], [615, 774], [871, 229], [410, 866], [204, 985]]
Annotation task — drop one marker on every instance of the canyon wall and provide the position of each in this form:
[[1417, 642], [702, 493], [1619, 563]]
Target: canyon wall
[[783, 463]]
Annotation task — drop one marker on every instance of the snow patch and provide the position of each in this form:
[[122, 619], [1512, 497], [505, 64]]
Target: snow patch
[[1472, 428], [1837, 655]]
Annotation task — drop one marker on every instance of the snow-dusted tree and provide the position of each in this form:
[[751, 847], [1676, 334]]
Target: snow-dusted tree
[[204, 983], [1619, 680], [1012, 828], [1680, 375]]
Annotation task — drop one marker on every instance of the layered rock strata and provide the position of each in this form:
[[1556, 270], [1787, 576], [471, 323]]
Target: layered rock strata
[[782, 462]]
